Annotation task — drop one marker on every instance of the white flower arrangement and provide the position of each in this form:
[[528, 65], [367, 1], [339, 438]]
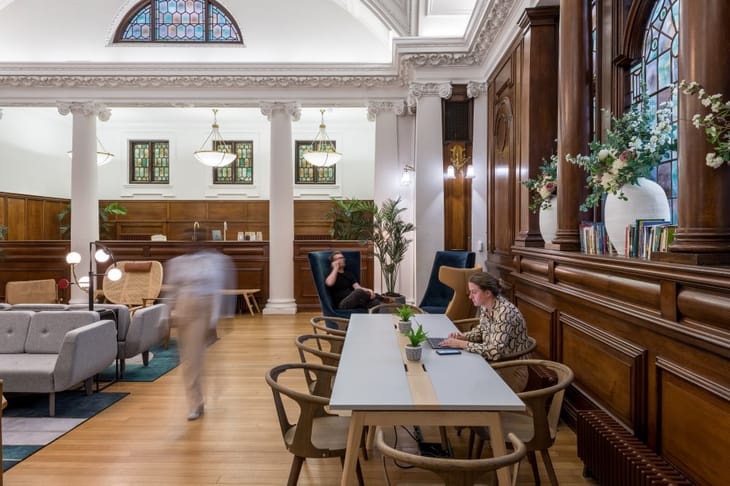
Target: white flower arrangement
[[716, 123]]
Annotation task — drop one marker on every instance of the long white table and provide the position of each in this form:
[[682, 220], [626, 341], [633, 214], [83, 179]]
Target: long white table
[[380, 387]]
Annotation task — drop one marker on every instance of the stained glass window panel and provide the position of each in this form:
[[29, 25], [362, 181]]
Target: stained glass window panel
[[658, 70], [166, 21], [306, 173], [240, 171], [149, 162]]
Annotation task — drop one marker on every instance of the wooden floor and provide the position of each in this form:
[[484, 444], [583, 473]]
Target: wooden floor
[[145, 438]]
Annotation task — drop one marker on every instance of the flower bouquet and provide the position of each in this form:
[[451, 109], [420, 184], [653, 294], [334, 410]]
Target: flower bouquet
[[544, 186], [634, 146], [716, 123]]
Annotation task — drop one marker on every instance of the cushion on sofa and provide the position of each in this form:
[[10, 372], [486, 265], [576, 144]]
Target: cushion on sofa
[[31, 373], [47, 329], [13, 331]]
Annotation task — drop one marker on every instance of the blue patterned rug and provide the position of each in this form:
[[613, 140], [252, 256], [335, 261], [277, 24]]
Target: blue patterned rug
[[27, 427], [161, 361]]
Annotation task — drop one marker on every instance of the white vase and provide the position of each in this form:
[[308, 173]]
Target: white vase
[[549, 221], [644, 201]]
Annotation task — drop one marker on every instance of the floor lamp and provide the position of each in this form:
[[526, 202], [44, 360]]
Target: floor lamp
[[101, 255]]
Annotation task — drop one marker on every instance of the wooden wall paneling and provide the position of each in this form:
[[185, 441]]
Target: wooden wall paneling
[[16, 218], [3, 209], [310, 218], [34, 219], [607, 368], [542, 322], [51, 225], [693, 422], [187, 210], [34, 260], [500, 166], [700, 308], [457, 204]]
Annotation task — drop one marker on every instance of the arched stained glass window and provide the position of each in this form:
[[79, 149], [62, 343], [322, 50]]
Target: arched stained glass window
[[186, 21], [658, 69]]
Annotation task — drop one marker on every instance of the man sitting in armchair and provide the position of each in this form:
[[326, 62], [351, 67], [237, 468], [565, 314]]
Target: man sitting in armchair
[[345, 290]]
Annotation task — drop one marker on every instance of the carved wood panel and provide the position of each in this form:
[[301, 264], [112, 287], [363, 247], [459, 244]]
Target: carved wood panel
[[693, 424], [541, 324], [607, 368]]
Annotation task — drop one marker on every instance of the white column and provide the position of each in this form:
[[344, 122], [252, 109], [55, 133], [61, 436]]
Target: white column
[[478, 91], [389, 140], [281, 208], [84, 217], [429, 176]]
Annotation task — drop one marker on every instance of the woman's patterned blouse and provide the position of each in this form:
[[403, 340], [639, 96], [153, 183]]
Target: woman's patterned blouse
[[501, 330]]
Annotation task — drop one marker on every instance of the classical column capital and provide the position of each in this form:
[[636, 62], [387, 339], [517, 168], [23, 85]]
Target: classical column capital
[[291, 108], [419, 90], [375, 107], [475, 89], [88, 108]]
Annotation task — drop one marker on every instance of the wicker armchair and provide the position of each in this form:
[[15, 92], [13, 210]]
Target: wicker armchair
[[139, 286]]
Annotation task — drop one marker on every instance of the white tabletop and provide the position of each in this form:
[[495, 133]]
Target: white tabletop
[[372, 372]]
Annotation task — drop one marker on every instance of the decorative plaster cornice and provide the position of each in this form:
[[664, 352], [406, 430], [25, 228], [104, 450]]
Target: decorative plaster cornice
[[475, 89], [396, 14], [87, 108], [290, 108], [435, 52], [419, 90], [375, 107]]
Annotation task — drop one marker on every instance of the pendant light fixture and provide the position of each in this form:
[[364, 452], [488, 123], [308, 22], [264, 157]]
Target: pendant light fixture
[[322, 153], [219, 154], [103, 156]]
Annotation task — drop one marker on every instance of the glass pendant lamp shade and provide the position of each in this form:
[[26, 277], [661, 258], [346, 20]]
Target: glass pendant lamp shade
[[220, 153], [323, 153], [103, 157]]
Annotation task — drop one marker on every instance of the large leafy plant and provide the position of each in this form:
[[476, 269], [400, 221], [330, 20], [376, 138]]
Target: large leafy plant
[[105, 213], [390, 240], [351, 219]]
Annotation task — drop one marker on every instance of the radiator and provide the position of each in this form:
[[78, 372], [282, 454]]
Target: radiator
[[615, 457]]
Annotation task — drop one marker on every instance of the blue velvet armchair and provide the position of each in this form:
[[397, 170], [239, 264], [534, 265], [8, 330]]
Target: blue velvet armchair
[[319, 262], [438, 295]]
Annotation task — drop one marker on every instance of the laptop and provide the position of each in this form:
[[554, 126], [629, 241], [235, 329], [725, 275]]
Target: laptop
[[435, 342]]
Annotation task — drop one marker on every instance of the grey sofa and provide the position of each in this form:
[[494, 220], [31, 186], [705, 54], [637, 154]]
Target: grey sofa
[[47, 352]]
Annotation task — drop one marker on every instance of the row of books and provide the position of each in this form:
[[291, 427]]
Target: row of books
[[593, 238], [647, 236]]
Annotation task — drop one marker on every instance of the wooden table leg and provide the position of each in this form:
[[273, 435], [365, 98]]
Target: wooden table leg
[[496, 437], [354, 436]]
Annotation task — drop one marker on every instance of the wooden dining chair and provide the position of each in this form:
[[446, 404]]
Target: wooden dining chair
[[315, 433], [335, 326], [327, 350], [454, 472], [538, 425], [392, 308]]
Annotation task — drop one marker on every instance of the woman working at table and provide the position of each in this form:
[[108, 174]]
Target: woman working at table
[[501, 330]]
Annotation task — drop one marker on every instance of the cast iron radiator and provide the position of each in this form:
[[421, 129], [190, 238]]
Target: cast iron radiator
[[615, 457]]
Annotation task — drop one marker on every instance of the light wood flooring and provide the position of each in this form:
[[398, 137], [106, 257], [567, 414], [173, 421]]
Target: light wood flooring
[[145, 438]]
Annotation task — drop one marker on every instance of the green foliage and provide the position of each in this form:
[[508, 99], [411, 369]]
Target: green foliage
[[104, 213], [351, 219], [389, 240], [544, 186], [405, 312], [417, 336]]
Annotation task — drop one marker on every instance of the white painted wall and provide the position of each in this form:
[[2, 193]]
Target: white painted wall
[[34, 142]]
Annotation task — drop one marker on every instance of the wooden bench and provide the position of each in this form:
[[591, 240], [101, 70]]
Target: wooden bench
[[248, 296]]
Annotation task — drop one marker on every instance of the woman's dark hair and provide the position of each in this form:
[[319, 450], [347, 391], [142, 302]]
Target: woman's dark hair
[[334, 254], [486, 282]]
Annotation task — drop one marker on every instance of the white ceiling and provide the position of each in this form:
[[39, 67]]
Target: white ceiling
[[274, 31]]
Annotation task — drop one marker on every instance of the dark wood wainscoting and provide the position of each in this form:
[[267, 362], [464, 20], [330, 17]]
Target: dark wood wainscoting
[[305, 292], [34, 260], [649, 342], [31, 217]]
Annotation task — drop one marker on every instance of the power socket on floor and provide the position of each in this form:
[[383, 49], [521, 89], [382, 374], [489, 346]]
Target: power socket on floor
[[432, 449]]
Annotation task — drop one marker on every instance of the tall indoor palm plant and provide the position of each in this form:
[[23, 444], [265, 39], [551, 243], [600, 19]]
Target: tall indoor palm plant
[[390, 242]]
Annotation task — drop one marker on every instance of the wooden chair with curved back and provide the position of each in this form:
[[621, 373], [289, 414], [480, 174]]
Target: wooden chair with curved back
[[335, 326], [455, 472], [460, 306], [538, 425], [140, 284], [392, 308], [316, 433]]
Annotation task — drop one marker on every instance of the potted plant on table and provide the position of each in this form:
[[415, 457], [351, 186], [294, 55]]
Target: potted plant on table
[[390, 244], [405, 313], [416, 337]]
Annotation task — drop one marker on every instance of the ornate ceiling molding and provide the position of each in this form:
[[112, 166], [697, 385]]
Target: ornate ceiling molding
[[399, 15], [433, 53], [375, 107], [87, 108], [291, 108]]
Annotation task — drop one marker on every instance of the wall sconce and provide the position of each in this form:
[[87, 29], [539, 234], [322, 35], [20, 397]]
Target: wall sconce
[[407, 176], [459, 163], [86, 283]]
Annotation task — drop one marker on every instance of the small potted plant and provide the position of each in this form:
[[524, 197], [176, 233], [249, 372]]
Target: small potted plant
[[416, 338], [405, 313]]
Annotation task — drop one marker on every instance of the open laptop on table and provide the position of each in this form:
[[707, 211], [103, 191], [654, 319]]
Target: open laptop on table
[[435, 342]]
